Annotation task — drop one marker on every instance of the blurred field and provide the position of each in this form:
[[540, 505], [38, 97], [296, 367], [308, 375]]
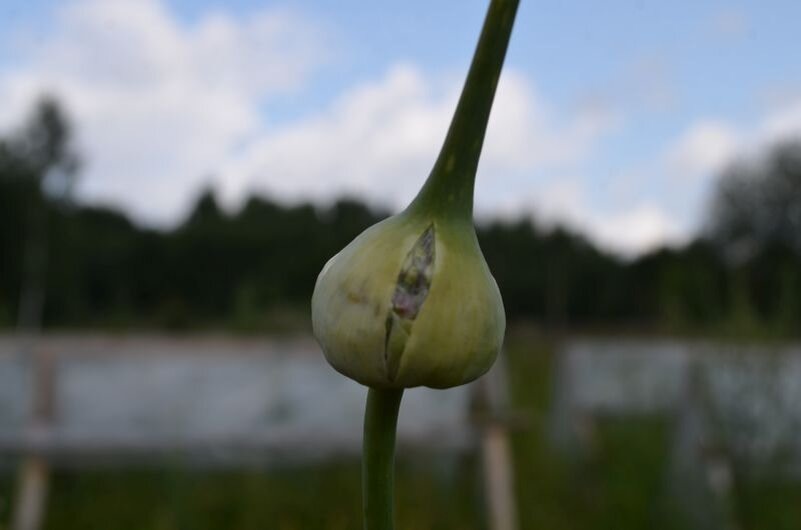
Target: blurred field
[[624, 482], [621, 480], [620, 485]]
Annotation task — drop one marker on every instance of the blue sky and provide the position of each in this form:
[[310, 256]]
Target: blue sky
[[613, 118]]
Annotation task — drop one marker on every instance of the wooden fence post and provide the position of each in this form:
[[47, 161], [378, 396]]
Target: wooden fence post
[[34, 474], [498, 467]]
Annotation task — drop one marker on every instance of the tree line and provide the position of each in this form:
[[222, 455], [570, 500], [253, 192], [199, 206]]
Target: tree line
[[80, 266]]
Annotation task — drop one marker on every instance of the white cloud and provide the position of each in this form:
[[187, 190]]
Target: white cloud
[[703, 149], [706, 146], [782, 123], [628, 229], [643, 227], [158, 103], [525, 133], [377, 139], [380, 139]]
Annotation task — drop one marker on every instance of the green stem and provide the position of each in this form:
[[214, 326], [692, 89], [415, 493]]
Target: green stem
[[449, 187], [378, 457]]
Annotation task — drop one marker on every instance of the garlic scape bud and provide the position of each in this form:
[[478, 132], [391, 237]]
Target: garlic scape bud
[[411, 301]]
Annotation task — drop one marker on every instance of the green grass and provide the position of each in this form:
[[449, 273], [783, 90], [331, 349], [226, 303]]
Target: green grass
[[618, 482], [431, 495], [768, 503], [6, 486]]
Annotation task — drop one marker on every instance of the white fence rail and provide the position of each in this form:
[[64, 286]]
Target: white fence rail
[[227, 399]]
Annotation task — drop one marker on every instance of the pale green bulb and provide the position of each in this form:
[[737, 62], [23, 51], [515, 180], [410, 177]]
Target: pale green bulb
[[410, 302]]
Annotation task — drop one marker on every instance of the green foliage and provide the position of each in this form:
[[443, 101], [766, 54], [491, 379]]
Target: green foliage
[[6, 489], [323, 497], [757, 203], [620, 479], [618, 484], [768, 504]]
